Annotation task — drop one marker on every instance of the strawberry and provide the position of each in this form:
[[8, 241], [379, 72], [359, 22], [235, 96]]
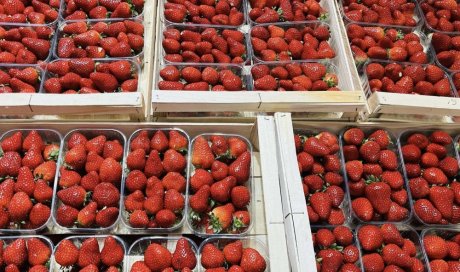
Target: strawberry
[[435, 176], [66, 253], [87, 215], [363, 209], [106, 195], [74, 196], [315, 147], [321, 204], [157, 257], [110, 171], [443, 199], [136, 160], [107, 217], [353, 136], [38, 252], [435, 246], [251, 260], [12, 143], [266, 83], [89, 253], [354, 170], [221, 218], [240, 196], [391, 235], [211, 256], [174, 180], [370, 237], [427, 212], [15, 253], [202, 156], [174, 201], [241, 167], [199, 201], [373, 262], [66, 215], [112, 253], [25, 181], [165, 218], [394, 255], [379, 194], [388, 160], [369, 151], [183, 256], [324, 238], [39, 215], [19, 207]]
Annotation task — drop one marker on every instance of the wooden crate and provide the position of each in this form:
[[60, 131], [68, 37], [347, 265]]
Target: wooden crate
[[351, 99], [127, 106], [298, 232], [269, 223]]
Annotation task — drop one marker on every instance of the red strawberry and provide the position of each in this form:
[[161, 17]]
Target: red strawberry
[[107, 217], [89, 253], [373, 262], [435, 246], [331, 259], [211, 256], [112, 253], [221, 218], [241, 167], [427, 212], [19, 207], [354, 170], [443, 199], [183, 256], [15, 253], [202, 155], [38, 252], [370, 237], [362, 207], [66, 253], [322, 204], [74, 196], [379, 194], [391, 235], [251, 260]]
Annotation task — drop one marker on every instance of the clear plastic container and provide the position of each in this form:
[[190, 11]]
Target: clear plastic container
[[90, 22], [51, 39], [111, 134], [393, 147], [200, 230], [407, 232], [300, 26], [444, 233], [402, 140], [167, 22], [435, 55], [359, 264], [135, 68], [51, 23], [417, 16], [78, 240], [137, 249], [248, 242], [427, 27], [345, 205], [62, 16], [41, 72], [237, 70], [125, 192], [423, 39], [9, 239], [49, 136], [330, 68], [365, 79], [324, 5], [200, 29]]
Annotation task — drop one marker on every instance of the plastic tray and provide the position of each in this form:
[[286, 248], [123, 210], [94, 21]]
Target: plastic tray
[[365, 80], [9, 239], [427, 27], [134, 66], [78, 240], [111, 134], [48, 136], [330, 68], [124, 193], [51, 24], [237, 70], [345, 205], [8, 26], [417, 16], [201, 28], [359, 264], [249, 184], [393, 147], [136, 251], [324, 4], [407, 232], [402, 141], [41, 72], [92, 22], [64, 6], [423, 39], [252, 242], [435, 55], [161, 4], [299, 26], [441, 232]]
